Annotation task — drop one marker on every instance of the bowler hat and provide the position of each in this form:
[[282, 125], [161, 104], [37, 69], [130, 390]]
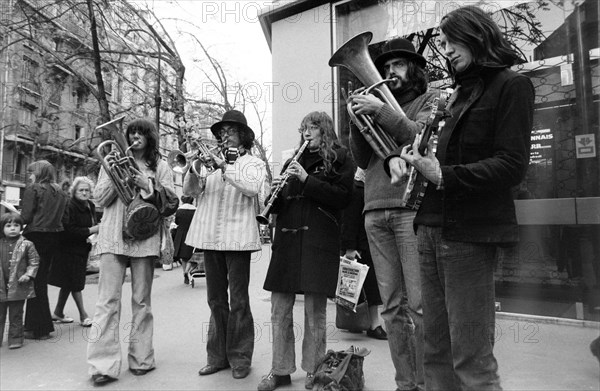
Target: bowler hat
[[233, 117], [399, 47]]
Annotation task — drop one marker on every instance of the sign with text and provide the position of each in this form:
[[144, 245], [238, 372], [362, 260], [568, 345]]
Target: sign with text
[[585, 145], [542, 142]]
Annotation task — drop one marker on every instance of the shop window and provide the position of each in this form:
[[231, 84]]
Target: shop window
[[558, 203]]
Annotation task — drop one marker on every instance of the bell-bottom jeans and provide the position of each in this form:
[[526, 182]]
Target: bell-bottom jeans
[[458, 313], [285, 332], [231, 325], [104, 345], [393, 246]]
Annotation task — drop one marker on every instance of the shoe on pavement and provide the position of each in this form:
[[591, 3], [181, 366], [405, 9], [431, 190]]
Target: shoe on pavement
[[140, 371], [167, 266], [15, 345], [87, 322], [210, 369], [240, 372], [61, 319], [272, 381], [377, 333], [30, 335], [309, 382], [100, 379]]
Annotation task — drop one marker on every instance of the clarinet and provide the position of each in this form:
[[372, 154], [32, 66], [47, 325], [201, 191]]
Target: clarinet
[[263, 218]]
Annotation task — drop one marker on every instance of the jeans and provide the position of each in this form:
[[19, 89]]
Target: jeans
[[393, 246], [104, 346], [458, 313], [15, 321], [284, 340], [231, 327]]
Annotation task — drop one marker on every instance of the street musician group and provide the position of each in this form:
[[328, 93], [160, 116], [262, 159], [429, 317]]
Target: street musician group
[[433, 258]]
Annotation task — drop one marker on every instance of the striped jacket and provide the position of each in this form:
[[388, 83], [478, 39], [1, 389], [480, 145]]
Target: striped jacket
[[225, 218]]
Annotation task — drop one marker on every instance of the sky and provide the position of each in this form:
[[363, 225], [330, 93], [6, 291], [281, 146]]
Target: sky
[[231, 32]]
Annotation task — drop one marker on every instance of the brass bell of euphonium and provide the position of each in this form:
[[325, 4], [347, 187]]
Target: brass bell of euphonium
[[354, 55], [141, 219]]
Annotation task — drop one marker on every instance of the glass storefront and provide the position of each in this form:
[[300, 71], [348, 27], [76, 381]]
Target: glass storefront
[[555, 269]]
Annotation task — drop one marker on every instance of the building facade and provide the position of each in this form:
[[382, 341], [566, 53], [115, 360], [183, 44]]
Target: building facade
[[555, 270], [49, 90]]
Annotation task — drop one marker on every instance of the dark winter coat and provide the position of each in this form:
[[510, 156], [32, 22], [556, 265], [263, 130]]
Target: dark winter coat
[[77, 220], [183, 219], [305, 254], [24, 260]]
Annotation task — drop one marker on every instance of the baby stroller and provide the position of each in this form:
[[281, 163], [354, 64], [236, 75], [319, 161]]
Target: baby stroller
[[196, 268]]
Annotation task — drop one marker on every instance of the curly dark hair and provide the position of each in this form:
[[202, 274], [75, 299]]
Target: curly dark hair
[[146, 128]]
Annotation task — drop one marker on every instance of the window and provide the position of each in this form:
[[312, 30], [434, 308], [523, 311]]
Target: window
[[29, 73], [25, 117], [78, 131], [81, 99]]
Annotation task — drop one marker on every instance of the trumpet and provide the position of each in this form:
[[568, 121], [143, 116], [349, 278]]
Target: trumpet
[[354, 55], [198, 160], [263, 218]]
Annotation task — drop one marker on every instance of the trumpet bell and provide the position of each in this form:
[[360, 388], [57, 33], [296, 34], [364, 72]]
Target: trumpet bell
[[177, 161]]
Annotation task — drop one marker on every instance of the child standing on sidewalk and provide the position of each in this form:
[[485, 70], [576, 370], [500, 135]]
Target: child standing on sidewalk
[[19, 264]]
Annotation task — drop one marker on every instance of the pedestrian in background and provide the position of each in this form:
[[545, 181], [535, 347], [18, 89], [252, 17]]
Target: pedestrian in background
[[468, 209], [68, 269], [183, 219], [117, 253], [19, 264], [354, 245], [306, 249], [44, 203]]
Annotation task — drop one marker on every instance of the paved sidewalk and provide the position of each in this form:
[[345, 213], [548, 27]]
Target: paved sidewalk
[[533, 354]]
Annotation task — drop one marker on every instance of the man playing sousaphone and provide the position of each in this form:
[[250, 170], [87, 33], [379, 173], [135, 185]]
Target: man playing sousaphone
[[388, 224], [225, 227]]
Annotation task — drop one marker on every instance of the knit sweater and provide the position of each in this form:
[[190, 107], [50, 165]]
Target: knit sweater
[[379, 193]]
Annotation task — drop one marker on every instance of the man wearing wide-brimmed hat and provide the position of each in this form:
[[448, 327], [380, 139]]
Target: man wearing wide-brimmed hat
[[224, 227], [392, 240]]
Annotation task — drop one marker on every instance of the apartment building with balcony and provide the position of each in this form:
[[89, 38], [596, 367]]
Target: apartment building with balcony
[[48, 104]]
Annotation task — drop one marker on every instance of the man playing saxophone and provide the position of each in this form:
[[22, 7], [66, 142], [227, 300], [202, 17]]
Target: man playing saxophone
[[388, 224], [225, 227]]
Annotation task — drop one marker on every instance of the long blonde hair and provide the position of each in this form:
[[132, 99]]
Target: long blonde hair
[[329, 140]]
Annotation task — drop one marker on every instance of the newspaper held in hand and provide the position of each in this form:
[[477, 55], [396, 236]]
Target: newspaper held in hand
[[351, 277]]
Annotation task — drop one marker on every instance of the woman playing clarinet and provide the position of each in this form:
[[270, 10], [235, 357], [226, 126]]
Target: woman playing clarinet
[[305, 257]]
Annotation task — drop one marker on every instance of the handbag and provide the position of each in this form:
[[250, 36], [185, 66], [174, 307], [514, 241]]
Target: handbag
[[346, 319], [341, 370]]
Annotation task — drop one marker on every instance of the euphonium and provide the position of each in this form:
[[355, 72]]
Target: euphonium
[[263, 218], [141, 219], [354, 55]]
